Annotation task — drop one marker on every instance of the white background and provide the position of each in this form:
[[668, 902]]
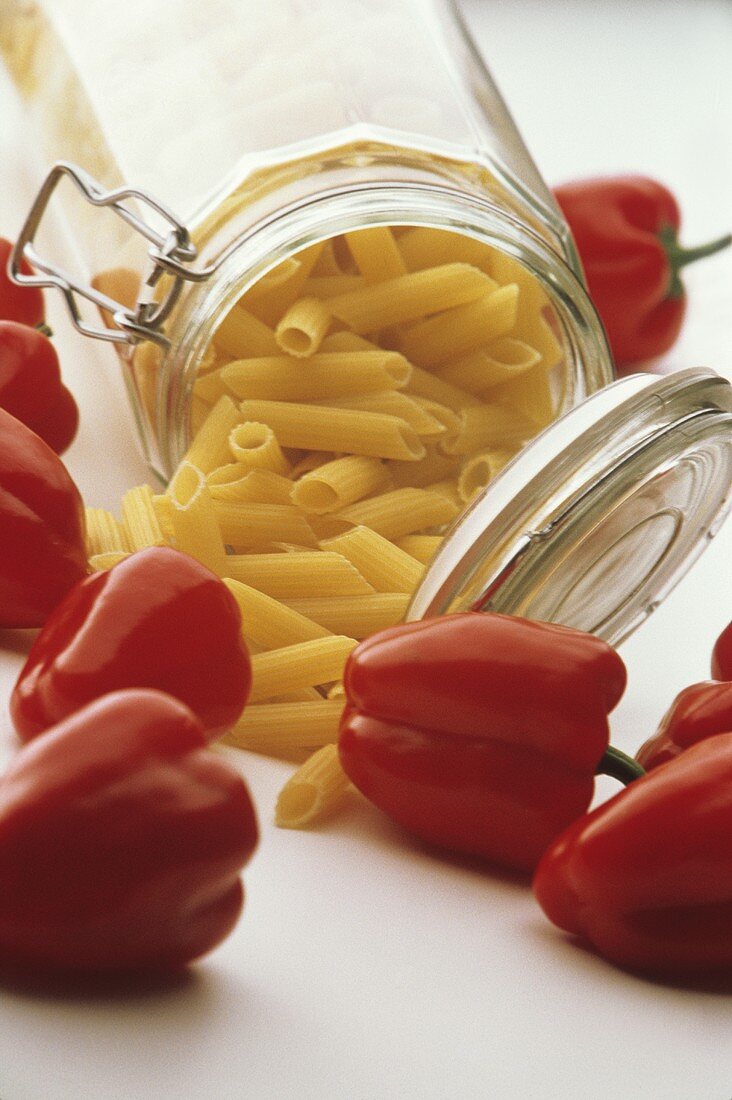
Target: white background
[[365, 966]]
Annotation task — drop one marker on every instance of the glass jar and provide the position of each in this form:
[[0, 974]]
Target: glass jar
[[317, 122], [269, 126]]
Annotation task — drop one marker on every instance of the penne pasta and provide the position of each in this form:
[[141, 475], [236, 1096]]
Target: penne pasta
[[328, 374], [384, 565], [298, 574], [531, 394], [485, 427], [376, 254], [338, 483], [304, 664], [479, 470], [455, 332], [502, 361], [409, 297], [247, 525], [140, 521], [433, 467], [313, 792], [348, 341], [449, 419], [356, 616], [412, 411], [269, 623], [421, 547], [163, 508], [303, 327], [104, 533], [334, 258], [209, 447], [283, 726], [311, 461], [210, 387], [446, 488], [236, 482], [332, 285], [401, 512], [424, 246], [242, 335], [424, 384], [255, 446], [195, 529], [271, 297], [342, 430]]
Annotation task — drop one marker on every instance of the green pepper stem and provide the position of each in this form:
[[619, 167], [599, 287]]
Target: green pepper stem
[[620, 766], [679, 257], [44, 329]]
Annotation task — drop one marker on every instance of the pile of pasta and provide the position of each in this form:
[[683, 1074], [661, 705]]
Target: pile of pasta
[[352, 403]]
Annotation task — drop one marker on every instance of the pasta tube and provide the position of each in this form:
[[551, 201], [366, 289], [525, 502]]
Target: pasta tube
[[502, 361], [269, 623], [455, 332], [356, 616], [303, 327], [298, 574], [401, 512], [485, 427], [195, 529], [255, 446], [338, 483], [342, 430], [479, 470], [421, 547], [104, 533], [236, 482], [327, 374], [409, 297], [313, 791], [384, 565], [296, 666], [209, 447], [251, 525], [281, 727], [422, 247], [140, 521], [376, 254], [242, 335]]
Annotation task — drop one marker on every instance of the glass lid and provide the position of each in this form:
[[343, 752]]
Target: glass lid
[[596, 520]]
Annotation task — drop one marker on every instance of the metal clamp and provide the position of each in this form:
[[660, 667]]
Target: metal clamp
[[169, 254]]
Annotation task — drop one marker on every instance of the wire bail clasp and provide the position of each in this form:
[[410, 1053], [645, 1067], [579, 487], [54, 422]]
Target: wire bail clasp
[[169, 254]]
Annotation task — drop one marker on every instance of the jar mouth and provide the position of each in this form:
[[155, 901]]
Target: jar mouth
[[601, 515], [340, 210]]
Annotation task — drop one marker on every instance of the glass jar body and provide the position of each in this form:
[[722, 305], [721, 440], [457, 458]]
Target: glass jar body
[[267, 126]]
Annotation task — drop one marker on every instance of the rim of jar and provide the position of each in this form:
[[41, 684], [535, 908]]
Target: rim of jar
[[263, 245]]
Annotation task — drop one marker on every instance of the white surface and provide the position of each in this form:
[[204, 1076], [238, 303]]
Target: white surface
[[364, 966]]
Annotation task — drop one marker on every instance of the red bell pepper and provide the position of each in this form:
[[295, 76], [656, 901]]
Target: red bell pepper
[[42, 550], [480, 732], [157, 619], [700, 711], [121, 841], [31, 387], [626, 232], [646, 878], [722, 655], [18, 303]]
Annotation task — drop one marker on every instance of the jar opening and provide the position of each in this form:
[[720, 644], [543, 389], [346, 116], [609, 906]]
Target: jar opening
[[263, 260]]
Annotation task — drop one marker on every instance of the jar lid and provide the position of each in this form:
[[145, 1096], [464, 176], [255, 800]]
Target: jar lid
[[595, 520]]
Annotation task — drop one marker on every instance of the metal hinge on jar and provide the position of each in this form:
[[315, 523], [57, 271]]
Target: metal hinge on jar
[[170, 254]]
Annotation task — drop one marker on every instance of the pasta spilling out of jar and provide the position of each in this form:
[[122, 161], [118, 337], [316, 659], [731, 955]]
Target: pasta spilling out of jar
[[352, 403]]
